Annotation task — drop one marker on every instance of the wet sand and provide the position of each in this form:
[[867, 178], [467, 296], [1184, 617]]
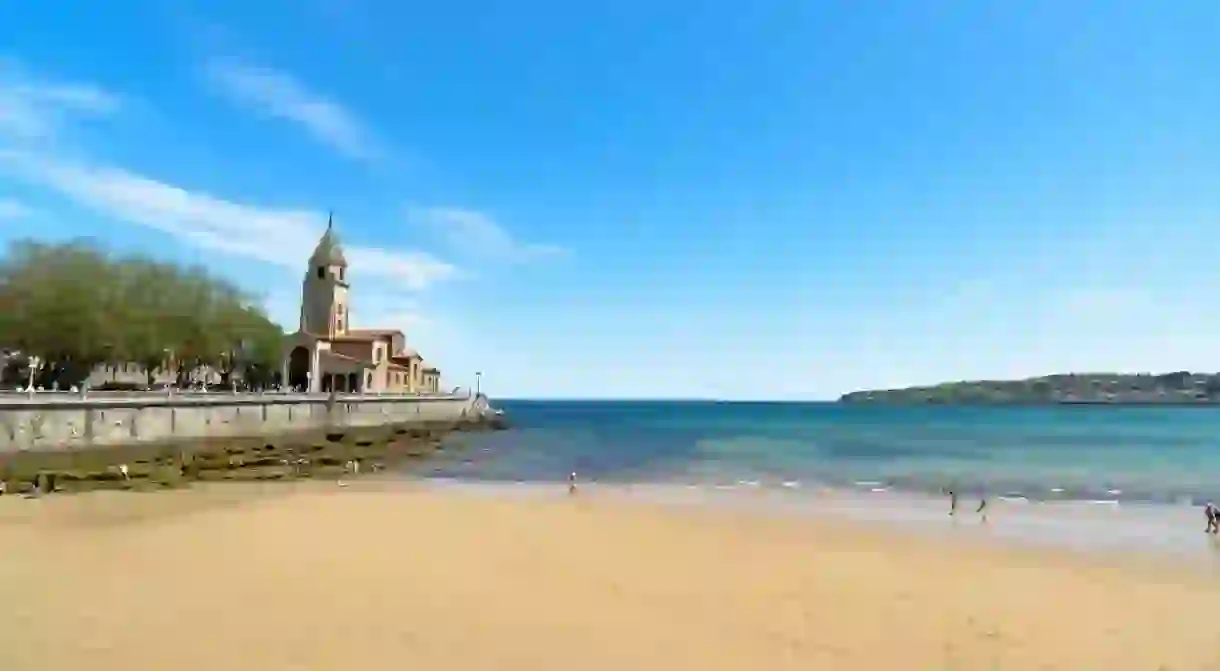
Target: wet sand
[[391, 577]]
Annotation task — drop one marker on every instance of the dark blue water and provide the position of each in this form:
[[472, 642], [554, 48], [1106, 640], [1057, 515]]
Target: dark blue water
[[1075, 452]]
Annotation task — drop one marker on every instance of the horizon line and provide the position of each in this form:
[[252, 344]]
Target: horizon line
[[667, 399]]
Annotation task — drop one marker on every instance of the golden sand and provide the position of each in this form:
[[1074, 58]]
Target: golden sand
[[323, 578]]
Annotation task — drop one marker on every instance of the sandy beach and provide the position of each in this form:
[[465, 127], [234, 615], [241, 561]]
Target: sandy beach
[[374, 577]]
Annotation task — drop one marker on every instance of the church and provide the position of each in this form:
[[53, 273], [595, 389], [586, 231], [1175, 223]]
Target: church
[[326, 354]]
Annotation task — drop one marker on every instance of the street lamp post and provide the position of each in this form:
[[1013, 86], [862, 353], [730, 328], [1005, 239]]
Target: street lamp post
[[169, 366], [33, 363], [478, 384]]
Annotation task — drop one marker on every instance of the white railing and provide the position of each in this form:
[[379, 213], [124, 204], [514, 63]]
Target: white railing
[[161, 393], [15, 399]]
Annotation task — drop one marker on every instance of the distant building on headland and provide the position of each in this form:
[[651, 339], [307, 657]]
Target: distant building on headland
[[327, 354]]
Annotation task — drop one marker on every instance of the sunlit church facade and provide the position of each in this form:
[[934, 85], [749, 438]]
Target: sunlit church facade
[[326, 354]]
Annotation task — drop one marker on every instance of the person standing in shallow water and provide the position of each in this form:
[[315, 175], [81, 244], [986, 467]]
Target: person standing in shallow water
[[1213, 518], [982, 508], [572, 483], [952, 502]]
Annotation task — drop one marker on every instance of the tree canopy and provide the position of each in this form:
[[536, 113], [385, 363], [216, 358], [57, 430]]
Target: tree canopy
[[75, 306]]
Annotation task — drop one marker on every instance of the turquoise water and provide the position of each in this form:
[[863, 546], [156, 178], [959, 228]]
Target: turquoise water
[[1074, 453]]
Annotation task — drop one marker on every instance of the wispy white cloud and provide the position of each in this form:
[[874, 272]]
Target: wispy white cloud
[[278, 236], [278, 94], [12, 209], [34, 109], [474, 233]]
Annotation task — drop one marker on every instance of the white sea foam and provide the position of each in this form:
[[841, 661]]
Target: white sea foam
[[1099, 525]]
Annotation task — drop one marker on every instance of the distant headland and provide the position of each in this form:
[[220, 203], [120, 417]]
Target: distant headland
[[1180, 388]]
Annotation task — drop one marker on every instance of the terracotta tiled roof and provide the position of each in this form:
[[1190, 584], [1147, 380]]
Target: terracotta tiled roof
[[364, 362], [362, 335], [349, 338], [375, 332], [348, 358]]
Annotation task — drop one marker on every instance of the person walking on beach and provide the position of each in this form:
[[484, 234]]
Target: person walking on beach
[[1213, 518], [572, 483], [952, 502], [982, 508]]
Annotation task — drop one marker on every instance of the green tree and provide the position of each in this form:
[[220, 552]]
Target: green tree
[[74, 307], [56, 305]]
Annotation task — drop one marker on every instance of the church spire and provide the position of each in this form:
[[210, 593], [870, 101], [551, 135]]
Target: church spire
[[329, 251]]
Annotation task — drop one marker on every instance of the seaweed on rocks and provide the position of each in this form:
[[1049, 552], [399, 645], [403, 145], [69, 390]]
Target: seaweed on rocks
[[302, 455]]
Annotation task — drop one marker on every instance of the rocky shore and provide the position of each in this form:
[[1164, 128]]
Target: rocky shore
[[302, 455]]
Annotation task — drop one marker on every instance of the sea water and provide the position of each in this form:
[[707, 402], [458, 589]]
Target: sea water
[[1095, 476]]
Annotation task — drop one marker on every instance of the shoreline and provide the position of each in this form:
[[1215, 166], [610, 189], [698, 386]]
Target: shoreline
[[1151, 460], [1154, 531], [1093, 526], [389, 572], [1035, 404]]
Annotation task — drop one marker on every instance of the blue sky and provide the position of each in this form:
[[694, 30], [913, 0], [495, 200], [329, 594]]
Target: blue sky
[[630, 199]]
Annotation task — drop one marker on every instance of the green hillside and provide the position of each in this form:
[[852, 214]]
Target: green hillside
[[1115, 388]]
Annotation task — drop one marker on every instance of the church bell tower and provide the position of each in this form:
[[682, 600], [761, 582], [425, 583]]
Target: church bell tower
[[324, 309]]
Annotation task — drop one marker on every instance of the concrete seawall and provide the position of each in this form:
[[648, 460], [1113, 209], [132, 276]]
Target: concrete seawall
[[42, 422]]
